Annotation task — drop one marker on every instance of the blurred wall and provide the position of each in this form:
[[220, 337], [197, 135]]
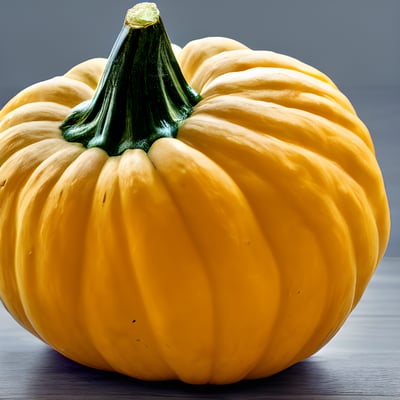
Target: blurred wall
[[356, 42]]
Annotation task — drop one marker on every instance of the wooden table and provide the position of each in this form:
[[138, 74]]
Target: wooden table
[[361, 362]]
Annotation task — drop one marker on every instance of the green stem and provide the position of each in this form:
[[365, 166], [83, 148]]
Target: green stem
[[142, 95]]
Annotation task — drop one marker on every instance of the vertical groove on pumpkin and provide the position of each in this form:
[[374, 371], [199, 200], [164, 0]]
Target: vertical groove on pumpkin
[[243, 59], [198, 132], [198, 51], [39, 111], [60, 90], [15, 173], [94, 265], [213, 321], [330, 141], [190, 132], [213, 194], [291, 90], [159, 368], [355, 169], [88, 72], [339, 149], [64, 231]]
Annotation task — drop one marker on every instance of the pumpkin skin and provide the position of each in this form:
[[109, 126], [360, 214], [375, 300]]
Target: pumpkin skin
[[230, 252]]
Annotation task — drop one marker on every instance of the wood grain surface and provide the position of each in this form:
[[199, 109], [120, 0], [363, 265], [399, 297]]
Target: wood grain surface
[[361, 362]]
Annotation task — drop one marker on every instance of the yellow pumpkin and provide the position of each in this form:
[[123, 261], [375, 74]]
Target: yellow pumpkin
[[209, 229]]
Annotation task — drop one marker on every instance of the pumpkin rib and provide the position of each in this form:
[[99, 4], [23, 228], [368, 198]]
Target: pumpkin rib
[[242, 60], [66, 242], [263, 353], [33, 196], [15, 172], [206, 147], [290, 89], [283, 119], [203, 146], [191, 237], [368, 206], [198, 51], [60, 89], [137, 186], [128, 170], [114, 266], [191, 233], [105, 191], [339, 170], [27, 134], [34, 112], [299, 129], [267, 346], [265, 350], [88, 72], [214, 319], [358, 167], [192, 167]]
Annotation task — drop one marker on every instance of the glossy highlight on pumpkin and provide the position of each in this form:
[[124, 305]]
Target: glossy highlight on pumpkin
[[231, 251]]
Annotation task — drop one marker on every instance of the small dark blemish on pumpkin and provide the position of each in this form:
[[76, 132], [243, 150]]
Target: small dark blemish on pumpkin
[[138, 340], [134, 321], [3, 183], [104, 197]]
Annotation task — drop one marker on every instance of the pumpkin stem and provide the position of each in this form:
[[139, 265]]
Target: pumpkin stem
[[142, 95]]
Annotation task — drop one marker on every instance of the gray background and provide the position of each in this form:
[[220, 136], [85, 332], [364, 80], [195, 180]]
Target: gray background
[[356, 42]]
